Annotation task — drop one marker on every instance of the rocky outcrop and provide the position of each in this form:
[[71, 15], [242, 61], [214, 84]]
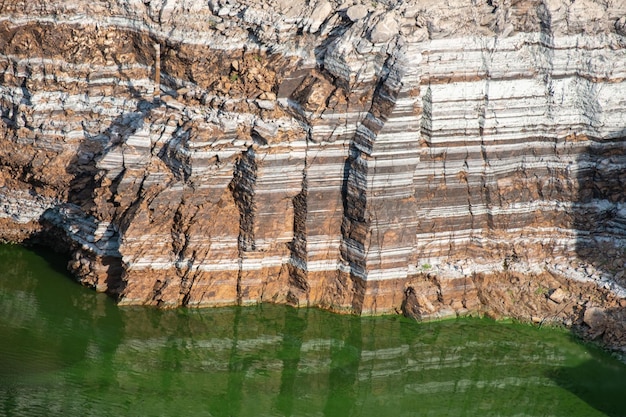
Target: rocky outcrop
[[363, 157]]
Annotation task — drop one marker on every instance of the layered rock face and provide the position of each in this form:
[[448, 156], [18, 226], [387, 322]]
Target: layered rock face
[[417, 156]]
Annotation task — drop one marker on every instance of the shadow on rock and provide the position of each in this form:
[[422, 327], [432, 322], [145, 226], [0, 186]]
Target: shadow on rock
[[599, 212]]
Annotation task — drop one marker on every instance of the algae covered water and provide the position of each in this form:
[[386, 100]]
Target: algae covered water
[[67, 351]]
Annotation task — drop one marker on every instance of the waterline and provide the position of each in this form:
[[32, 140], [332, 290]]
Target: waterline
[[66, 350]]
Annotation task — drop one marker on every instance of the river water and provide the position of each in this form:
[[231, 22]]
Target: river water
[[67, 351]]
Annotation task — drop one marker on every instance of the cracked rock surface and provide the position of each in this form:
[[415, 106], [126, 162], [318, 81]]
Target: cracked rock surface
[[423, 157]]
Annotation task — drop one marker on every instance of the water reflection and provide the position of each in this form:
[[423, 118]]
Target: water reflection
[[237, 367], [595, 381], [291, 346], [68, 351], [344, 369]]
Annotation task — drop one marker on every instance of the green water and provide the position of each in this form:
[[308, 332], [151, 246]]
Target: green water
[[67, 351]]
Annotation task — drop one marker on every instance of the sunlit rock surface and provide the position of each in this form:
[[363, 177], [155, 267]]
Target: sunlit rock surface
[[415, 156]]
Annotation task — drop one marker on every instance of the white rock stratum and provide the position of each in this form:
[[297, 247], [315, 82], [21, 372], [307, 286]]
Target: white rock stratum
[[365, 157]]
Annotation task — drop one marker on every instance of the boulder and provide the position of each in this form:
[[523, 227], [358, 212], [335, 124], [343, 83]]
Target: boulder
[[595, 318], [558, 296], [385, 29], [356, 12], [319, 15]]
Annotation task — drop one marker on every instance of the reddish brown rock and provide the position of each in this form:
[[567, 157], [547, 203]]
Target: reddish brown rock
[[365, 160]]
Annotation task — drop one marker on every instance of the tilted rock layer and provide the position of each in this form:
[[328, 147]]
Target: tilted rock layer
[[368, 158]]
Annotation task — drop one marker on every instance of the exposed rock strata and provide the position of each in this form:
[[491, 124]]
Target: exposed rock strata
[[368, 158]]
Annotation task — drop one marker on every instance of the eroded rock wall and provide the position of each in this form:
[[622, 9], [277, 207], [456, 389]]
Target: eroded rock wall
[[370, 158]]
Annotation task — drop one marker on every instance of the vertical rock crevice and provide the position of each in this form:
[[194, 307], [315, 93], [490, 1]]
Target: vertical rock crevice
[[242, 188], [298, 293], [299, 287], [379, 221]]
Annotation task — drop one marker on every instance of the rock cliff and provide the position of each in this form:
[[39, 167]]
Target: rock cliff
[[430, 157]]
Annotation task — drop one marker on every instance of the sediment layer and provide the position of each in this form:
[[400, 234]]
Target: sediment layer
[[369, 158]]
